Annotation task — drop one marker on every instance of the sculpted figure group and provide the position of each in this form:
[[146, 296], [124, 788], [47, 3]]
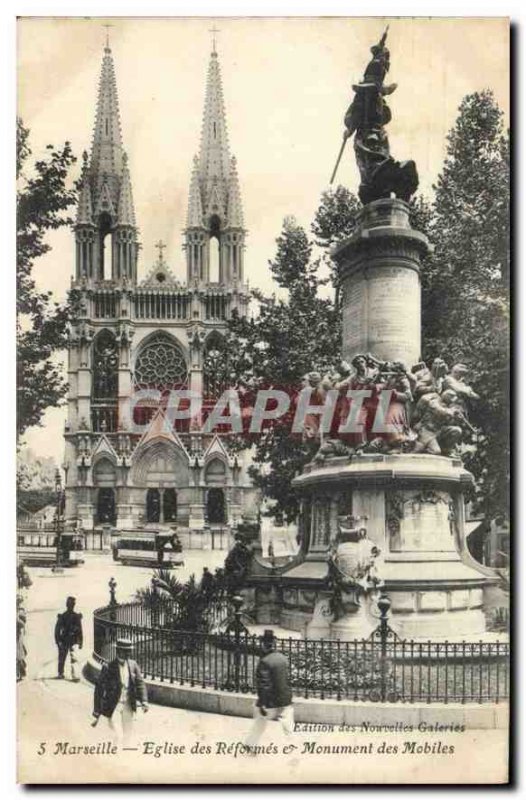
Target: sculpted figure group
[[422, 410]]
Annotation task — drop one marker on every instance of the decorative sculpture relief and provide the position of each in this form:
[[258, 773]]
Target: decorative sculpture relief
[[427, 410], [394, 512], [352, 564]]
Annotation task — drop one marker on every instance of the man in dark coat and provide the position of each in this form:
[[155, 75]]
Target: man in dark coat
[[119, 690], [68, 638], [274, 701]]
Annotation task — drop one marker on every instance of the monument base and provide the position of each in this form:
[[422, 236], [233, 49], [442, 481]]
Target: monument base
[[415, 516]]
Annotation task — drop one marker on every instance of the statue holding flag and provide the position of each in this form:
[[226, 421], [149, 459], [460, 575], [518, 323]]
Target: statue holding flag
[[366, 118]]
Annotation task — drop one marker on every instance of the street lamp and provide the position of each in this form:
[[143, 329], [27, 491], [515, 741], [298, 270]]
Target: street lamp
[[58, 520]]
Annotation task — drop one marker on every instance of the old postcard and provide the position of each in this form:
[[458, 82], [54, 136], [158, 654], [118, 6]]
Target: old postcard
[[263, 390]]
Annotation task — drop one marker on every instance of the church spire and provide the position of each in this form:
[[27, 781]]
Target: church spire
[[106, 231], [106, 149], [214, 202], [214, 154]]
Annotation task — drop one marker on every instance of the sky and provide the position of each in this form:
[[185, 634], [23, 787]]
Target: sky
[[286, 84]]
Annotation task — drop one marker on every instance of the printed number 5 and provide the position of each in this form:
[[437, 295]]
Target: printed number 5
[[41, 749]]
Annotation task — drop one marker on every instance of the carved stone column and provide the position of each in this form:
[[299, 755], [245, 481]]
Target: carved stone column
[[380, 273]]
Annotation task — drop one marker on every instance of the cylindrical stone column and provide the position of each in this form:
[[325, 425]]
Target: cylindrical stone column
[[380, 276]]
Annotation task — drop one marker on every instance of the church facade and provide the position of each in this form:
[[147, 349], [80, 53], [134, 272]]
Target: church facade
[[129, 464]]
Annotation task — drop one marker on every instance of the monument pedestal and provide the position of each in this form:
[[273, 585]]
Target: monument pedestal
[[359, 624], [415, 515]]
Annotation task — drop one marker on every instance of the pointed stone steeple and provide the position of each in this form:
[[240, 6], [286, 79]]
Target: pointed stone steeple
[[85, 207], [106, 149], [214, 154], [126, 212], [194, 218], [234, 210], [106, 224], [214, 201]]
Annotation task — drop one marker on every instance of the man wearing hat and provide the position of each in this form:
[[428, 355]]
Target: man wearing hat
[[68, 638], [274, 701], [119, 690]]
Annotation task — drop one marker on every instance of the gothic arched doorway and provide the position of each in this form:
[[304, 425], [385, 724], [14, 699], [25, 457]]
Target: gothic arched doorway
[[106, 506], [216, 507], [104, 479]]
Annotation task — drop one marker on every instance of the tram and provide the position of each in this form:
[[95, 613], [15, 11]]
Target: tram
[[145, 549]]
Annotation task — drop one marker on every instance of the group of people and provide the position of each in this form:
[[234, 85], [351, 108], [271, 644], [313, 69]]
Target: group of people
[[121, 690], [426, 411]]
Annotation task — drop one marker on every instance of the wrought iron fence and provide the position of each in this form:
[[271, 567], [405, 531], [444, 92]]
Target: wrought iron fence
[[382, 668]]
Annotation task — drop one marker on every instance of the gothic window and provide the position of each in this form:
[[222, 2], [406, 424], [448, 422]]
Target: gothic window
[[213, 267], [215, 367], [216, 472], [161, 365], [105, 367], [105, 247]]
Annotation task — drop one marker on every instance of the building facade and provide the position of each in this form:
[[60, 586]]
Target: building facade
[[128, 463]]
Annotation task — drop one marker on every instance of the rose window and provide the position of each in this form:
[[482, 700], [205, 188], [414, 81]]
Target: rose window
[[160, 365]]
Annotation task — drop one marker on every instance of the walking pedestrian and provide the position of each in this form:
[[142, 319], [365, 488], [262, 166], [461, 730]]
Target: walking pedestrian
[[274, 701], [68, 638], [118, 692]]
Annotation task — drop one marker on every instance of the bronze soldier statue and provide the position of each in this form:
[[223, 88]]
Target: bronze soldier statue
[[366, 118]]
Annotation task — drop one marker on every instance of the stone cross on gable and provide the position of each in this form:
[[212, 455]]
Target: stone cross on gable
[[160, 246]]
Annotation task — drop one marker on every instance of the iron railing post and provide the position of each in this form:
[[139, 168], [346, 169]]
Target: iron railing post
[[384, 604], [155, 603], [113, 598], [237, 602]]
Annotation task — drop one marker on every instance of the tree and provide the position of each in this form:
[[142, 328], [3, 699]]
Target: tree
[[43, 199], [335, 221], [288, 338], [465, 284], [33, 500]]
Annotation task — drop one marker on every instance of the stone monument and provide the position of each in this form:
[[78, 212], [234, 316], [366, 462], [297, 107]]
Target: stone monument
[[403, 481]]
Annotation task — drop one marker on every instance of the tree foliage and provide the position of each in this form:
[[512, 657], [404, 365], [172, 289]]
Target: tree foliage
[[465, 283], [33, 500], [43, 199], [289, 337]]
